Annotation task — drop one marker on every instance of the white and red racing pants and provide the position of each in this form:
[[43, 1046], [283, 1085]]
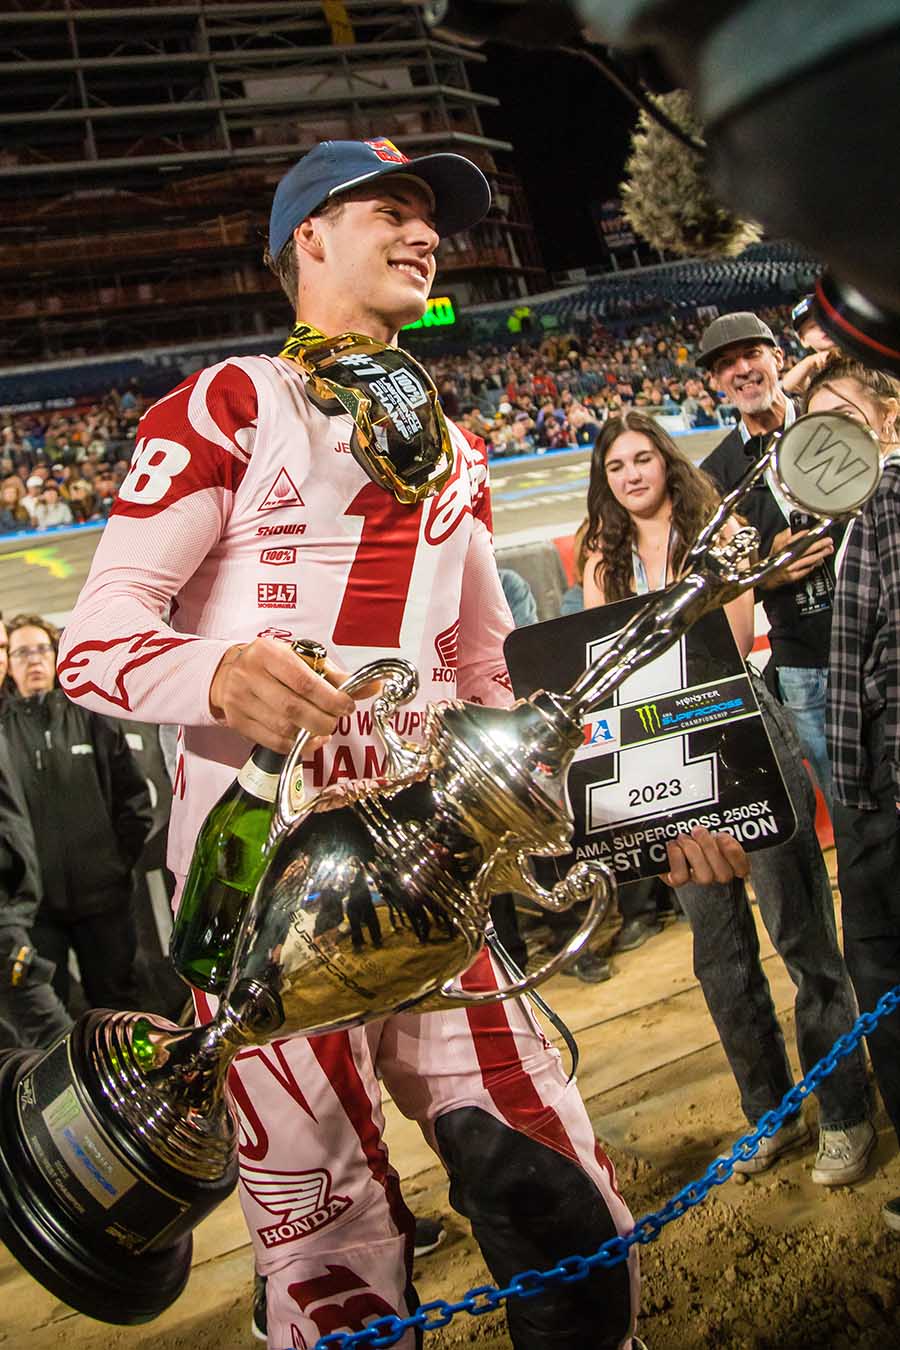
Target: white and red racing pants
[[322, 1200]]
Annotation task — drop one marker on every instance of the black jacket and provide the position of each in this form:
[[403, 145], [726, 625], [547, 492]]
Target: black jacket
[[20, 879], [799, 613], [88, 801]]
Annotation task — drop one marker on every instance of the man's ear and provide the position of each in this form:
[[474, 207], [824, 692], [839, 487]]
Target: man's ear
[[779, 356], [308, 239]]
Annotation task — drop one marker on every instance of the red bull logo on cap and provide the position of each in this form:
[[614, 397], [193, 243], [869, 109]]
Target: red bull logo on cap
[[387, 151]]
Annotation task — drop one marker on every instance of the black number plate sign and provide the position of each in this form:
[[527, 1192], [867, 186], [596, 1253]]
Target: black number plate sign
[[681, 743]]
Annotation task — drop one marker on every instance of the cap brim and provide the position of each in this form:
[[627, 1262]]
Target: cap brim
[[705, 359], [462, 195]]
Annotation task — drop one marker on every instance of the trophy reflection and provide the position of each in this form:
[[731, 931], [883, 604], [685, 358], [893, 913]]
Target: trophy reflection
[[374, 900]]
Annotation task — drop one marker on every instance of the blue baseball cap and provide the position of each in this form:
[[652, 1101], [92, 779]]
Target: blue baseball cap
[[461, 193]]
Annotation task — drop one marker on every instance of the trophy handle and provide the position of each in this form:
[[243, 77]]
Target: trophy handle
[[585, 880], [399, 683]]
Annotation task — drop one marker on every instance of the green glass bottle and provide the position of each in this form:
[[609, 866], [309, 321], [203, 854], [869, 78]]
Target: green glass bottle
[[229, 859]]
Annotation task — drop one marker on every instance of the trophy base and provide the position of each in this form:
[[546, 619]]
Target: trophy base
[[125, 1288]]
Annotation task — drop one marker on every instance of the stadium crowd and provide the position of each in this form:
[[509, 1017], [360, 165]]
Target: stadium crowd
[[65, 467]]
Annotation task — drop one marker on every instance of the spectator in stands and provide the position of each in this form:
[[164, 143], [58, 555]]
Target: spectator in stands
[[809, 332], [744, 359], [582, 425], [34, 487], [543, 385], [693, 390], [82, 502], [51, 509], [13, 515], [105, 488], [863, 718], [89, 808], [706, 413], [522, 440], [646, 504]]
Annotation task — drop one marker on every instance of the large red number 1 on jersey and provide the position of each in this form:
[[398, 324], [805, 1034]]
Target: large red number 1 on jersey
[[371, 612]]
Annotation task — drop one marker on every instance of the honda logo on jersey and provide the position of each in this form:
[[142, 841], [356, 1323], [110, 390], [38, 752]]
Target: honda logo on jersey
[[281, 493], [278, 557], [276, 595], [446, 644], [301, 1202]]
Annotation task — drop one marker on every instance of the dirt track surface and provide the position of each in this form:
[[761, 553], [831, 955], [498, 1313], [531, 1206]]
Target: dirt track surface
[[774, 1262]]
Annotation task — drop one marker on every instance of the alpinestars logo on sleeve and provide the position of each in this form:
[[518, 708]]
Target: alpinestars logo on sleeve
[[301, 1202], [89, 668]]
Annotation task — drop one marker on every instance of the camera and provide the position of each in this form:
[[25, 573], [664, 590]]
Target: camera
[[798, 118]]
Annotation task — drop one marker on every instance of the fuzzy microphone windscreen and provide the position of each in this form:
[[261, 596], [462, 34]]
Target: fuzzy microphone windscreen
[[667, 197]]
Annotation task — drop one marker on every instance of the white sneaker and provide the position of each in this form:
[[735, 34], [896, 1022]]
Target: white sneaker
[[791, 1135], [891, 1214], [843, 1154]]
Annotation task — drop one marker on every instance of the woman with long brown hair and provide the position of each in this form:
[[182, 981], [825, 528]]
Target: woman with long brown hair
[[646, 505]]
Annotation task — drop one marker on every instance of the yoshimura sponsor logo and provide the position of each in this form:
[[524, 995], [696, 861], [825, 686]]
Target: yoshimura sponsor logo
[[266, 531], [278, 557], [301, 1202], [276, 595], [649, 716]]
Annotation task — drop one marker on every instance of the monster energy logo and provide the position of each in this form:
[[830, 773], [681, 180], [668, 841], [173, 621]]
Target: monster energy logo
[[649, 717]]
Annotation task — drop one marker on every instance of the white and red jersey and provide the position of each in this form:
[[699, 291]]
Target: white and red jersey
[[245, 513]]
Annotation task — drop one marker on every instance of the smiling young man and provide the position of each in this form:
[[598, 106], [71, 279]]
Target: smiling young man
[[252, 508]]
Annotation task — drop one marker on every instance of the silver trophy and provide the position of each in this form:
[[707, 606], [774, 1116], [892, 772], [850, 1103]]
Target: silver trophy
[[374, 901]]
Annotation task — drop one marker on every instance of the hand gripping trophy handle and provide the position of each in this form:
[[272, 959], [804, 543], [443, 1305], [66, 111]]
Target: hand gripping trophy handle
[[117, 1141], [585, 881]]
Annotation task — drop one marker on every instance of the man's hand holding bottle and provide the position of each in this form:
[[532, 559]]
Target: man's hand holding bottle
[[266, 692]]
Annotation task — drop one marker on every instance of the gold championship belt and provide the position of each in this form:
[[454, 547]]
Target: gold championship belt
[[400, 435]]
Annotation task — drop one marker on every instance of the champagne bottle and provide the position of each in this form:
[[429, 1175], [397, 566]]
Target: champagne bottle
[[229, 858]]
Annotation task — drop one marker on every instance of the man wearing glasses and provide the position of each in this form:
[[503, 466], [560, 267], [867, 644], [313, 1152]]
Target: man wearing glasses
[[89, 809]]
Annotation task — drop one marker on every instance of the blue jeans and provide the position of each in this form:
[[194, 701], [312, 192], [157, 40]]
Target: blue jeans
[[794, 894], [803, 693]]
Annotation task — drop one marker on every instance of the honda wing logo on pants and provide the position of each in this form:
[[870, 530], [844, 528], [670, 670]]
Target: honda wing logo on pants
[[649, 717], [301, 1201]]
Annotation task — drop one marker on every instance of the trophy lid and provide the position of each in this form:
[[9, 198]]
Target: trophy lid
[[827, 464]]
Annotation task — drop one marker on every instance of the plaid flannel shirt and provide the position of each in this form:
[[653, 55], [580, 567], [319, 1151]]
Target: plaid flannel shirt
[[864, 669]]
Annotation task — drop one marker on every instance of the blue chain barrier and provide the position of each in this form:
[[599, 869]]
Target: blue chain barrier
[[485, 1298]]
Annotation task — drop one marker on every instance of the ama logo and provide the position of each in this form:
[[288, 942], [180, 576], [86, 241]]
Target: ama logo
[[281, 493]]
